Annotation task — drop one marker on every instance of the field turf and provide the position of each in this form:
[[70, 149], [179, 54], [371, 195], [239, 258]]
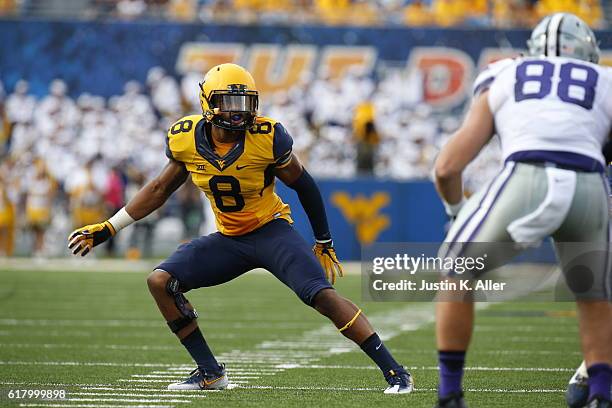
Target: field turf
[[99, 336]]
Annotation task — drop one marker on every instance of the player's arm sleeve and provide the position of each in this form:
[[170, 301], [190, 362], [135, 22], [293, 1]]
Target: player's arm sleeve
[[312, 202], [282, 146], [305, 186]]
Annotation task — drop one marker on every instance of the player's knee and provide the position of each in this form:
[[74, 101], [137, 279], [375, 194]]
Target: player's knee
[[325, 300], [157, 281]]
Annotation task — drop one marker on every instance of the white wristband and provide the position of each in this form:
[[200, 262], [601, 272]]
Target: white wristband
[[453, 209], [121, 220]]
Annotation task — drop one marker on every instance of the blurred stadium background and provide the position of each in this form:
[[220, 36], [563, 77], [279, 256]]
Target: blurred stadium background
[[369, 90]]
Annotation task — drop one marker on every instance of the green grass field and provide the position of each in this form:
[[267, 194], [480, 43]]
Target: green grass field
[[99, 336]]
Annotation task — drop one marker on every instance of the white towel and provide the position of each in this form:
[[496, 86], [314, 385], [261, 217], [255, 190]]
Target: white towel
[[531, 229]]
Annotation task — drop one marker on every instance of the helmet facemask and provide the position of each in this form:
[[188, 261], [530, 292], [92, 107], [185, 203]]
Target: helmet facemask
[[233, 109]]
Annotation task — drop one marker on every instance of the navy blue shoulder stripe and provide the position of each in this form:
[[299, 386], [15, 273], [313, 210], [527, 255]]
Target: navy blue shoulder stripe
[[282, 142], [168, 151], [483, 86]]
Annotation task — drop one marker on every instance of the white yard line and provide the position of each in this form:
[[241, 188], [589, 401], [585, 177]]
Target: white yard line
[[496, 352], [131, 394], [29, 332], [435, 368], [48, 384], [86, 363], [60, 405], [240, 324], [475, 390], [306, 388], [141, 389], [174, 370], [132, 400], [313, 345], [86, 346]]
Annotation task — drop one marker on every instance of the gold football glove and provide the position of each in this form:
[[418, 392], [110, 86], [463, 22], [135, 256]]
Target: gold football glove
[[84, 239], [326, 254]]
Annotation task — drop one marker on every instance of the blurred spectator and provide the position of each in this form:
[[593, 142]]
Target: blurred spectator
[[190, 85], [591, 12], [57, 110], [191, 209], [130, 9], [164, 92], [7, 7], [449, 12], [8, 199], [445, 13], [332, 11], [364, 131], [86, 188], [182, 10], [5, 125], [39, 193], [20, 105], [417, 14], [114, 200], [141, 239]]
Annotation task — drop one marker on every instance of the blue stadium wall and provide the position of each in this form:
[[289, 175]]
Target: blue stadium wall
[[100, 57], [363, 210]]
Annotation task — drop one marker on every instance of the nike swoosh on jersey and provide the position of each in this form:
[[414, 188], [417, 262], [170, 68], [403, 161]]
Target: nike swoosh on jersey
[[241, 167]]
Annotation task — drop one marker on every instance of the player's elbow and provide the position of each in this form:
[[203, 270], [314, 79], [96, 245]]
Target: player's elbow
[[446, 169]]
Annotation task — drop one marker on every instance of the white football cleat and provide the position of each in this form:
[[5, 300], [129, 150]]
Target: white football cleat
[[199, 380], [400, 381], [577, 392]]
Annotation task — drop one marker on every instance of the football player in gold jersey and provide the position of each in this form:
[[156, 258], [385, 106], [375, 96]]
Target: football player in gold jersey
[[234, 156]]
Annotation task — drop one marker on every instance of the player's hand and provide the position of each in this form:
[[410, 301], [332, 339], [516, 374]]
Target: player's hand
[[326, 254], [82, 240]]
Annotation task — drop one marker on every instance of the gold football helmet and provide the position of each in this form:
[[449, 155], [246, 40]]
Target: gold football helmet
[[229, 97]]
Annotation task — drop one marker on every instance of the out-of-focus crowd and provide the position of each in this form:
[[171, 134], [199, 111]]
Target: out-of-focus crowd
[[68, 162], [445, 13]]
